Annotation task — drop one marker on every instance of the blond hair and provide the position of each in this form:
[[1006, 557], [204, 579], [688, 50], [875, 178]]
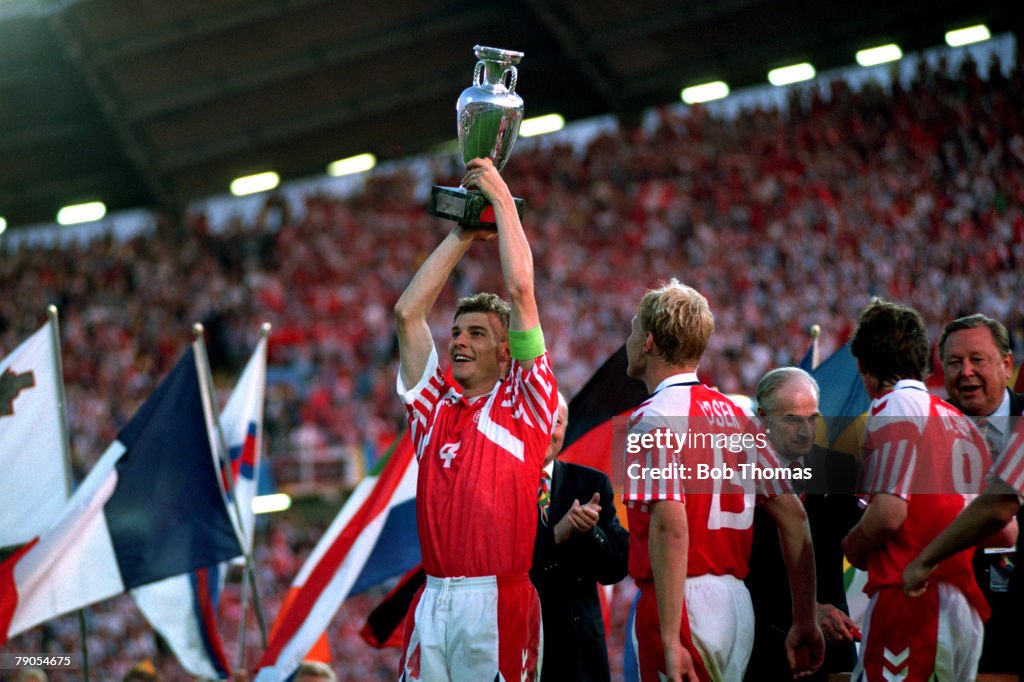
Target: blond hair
[[484, 303], [679, 319]]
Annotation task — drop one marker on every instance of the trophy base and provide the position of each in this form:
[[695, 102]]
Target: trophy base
[[466, 206]]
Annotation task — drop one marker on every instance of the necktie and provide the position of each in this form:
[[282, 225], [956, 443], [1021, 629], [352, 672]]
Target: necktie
[[544, 497], [987, 432]]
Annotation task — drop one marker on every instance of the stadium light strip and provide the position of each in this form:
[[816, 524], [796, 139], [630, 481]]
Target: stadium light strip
[[359, 163], [794, 73], [705, 92], [267, 504], [251, 184], [873, 56], [81, 213], [541, 125], [967, 35]]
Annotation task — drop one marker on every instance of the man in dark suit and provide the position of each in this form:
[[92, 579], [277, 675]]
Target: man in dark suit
[[787, 403], [579, 543], [977, 364]]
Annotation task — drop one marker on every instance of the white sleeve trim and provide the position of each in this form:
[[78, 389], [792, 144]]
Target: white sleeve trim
[[409, 395]]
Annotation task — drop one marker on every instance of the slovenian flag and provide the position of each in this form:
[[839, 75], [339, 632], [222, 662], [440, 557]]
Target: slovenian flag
[[151, 508], [373, 538], [183, 608]]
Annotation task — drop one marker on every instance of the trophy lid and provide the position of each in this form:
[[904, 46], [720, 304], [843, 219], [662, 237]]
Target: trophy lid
[[496, 54]]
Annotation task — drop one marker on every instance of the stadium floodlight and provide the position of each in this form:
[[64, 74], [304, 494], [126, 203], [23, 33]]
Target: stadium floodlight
[[360, 163], [81, 213], [267, 504], [541, 125], [967, 35], [705, 92], [873, 56], [251, 184], [794, 73], [3, 224]]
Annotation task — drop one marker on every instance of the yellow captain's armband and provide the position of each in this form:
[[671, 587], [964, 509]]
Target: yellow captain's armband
[[526, 345]]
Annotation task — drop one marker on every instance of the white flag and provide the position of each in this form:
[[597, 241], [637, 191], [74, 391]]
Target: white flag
[[242, 425], [33, 485]]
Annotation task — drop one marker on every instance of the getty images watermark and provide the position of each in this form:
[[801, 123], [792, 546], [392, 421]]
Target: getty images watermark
[[668, 446], [701, 453], [903, 455]]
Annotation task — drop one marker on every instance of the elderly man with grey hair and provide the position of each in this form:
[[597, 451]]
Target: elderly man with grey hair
[[787, 404]]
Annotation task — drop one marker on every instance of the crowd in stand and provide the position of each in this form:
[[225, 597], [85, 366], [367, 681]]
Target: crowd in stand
[[782, 218]]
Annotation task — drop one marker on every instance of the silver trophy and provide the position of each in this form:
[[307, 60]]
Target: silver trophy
[[489, 114]]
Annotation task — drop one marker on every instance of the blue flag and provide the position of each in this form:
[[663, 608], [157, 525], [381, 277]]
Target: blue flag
[[843, 398]]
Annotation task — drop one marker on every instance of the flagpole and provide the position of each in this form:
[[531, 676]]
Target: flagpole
[[249, 575], [65, 442], [249, 569], [65, 438], [815, 352], [207, 378]]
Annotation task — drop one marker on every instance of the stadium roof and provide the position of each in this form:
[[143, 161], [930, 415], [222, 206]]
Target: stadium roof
[[154, 103]]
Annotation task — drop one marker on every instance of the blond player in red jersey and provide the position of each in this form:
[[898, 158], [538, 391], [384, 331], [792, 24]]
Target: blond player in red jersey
[[922, 461], [480, 444], [690, 536]]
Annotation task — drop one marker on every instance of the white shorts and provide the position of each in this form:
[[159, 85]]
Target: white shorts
[[913, 639], [721, 628], [461, 629]]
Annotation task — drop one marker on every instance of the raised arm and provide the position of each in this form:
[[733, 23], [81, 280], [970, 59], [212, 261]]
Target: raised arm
[[514, 249], [416, 302]]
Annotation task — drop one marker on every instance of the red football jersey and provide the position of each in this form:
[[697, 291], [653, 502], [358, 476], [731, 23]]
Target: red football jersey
[[693, 430], [1010, 464], [925, 451], [479, 467]]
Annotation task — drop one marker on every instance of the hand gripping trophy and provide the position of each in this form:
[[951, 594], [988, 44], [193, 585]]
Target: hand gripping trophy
[[489, 114]]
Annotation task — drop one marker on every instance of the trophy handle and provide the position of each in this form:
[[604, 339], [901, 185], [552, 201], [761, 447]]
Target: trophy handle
[[513, 78], [512, 72]]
